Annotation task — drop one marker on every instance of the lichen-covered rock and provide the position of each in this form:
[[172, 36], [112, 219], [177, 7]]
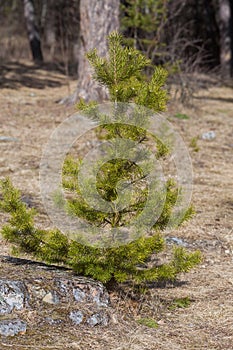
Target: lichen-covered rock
[[52, 321], [84, 290], [78, 294], [76, 317], [92, 294], [51, 298], [98, 318], [12, 327], [36, 290], [13, 295]]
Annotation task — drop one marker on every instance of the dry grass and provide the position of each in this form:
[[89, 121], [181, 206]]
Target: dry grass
[[29, 113]]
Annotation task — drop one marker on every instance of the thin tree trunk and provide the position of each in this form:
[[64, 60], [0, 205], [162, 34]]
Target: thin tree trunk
[[231, 35], [225, 37], [98, 18], [50, 37], [33, 33]]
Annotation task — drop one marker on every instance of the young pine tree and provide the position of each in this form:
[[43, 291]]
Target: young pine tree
[[122, 73]]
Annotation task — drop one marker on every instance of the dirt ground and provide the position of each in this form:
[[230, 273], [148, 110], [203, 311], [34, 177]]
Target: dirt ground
[[29, 112]]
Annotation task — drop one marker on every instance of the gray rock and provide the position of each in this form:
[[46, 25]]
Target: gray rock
[[83, 290], [76, 317], [95, 293], [78, 294], [13, 295], [100, 297], [177, 241], [37, 291], [210, 135], [98, 318], [8, 138], [53, 321], [82, 300], [62, 286], [51, 298], [12, 327]]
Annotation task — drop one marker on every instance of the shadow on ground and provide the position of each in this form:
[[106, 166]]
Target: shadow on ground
[[223, 99], [38, 264], [14, 75]]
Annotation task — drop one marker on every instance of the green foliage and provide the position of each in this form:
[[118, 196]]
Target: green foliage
[[141, 22], [193, 144], [50, 246], [180, 303], [122, 74], [107, 179], [148, 322], [181, 116], [109, 264]]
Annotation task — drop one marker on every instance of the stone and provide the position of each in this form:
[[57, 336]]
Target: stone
[[62, 286], [76, 317], [53, 321], [78, 294], [51, 298], [13, 295], [91, 293], [84, 290], [37, 291], [8, 138], [210, 135], [98, 318], [12, 327], [100, 297], [175, 240]]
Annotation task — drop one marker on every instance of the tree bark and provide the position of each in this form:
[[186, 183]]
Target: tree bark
[[98, 18], [225, 37], [231, 35], [33, 32]]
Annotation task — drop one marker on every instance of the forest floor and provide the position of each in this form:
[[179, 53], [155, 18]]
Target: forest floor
[[29, 113]]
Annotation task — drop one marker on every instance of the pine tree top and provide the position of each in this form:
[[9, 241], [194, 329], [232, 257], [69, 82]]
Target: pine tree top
[[122, 72]]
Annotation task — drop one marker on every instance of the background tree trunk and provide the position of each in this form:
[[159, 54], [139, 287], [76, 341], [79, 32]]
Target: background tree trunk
[[225, 37], [98, 18], [231, 35], [33, 33]]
